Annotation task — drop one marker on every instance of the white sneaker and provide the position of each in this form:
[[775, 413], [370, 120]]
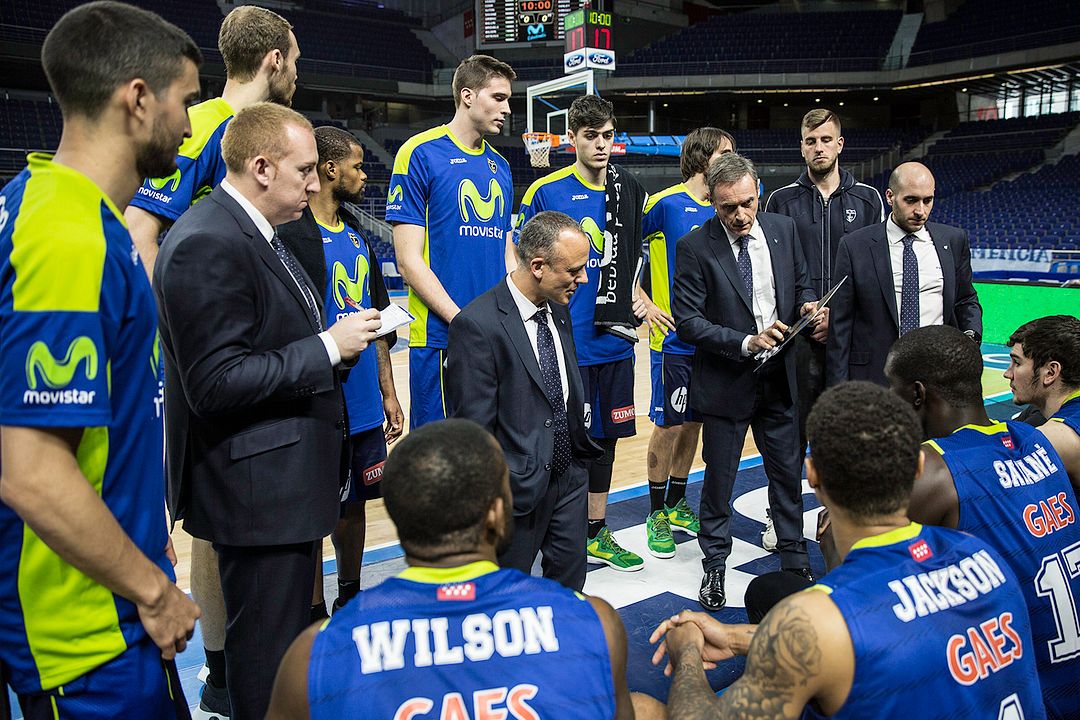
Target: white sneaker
[[204, 672], [768, 535]]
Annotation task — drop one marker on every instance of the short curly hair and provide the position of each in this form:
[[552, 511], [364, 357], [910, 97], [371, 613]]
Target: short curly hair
[[942, 358], [864, 443]]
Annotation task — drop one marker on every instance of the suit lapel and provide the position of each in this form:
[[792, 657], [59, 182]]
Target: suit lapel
[[948, 273], [722, 251], [515, 328], [879, 249], [263, 249]]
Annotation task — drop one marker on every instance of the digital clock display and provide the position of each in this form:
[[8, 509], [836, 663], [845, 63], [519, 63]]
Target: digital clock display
[[529, 22], [588, 29]]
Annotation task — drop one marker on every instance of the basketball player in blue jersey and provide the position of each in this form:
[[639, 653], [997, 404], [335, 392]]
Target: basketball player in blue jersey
[[1006, 483], [354, 282], [90, 614], [454, 636], [260, 52], [450, 201], [670, 214], [917, 622], [1044, 368], [606, 361]]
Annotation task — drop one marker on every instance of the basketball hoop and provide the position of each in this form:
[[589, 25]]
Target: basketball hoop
[[538, 145]]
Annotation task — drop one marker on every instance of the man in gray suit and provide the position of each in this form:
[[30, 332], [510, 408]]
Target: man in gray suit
[[255, 430], [512, 368]]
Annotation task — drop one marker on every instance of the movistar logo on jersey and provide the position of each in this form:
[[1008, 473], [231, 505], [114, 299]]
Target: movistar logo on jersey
[[160, 183], [349, 289], [393, 200], [42, 366], [598, 241], [473, 205]]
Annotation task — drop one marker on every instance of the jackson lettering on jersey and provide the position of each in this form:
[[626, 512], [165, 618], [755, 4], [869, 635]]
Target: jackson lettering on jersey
[[507, 633], [926, 593]]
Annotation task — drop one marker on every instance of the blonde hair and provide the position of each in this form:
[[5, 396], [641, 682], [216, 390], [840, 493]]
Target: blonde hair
[[259, 130], [246, 35], [818, 117]]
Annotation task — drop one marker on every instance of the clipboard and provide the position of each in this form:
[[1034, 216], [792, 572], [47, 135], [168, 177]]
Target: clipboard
[[764, 356]]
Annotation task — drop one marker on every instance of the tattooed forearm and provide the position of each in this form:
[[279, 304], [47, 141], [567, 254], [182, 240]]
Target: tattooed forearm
[[784, 656], [690, 697]]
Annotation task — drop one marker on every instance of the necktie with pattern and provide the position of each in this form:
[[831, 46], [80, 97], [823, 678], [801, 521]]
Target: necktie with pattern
[[549, 370], [289, 261], [746, 269], [909, 288]]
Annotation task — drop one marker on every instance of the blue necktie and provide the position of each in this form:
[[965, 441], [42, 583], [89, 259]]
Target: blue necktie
[[909, 288], [549, 370], [289, 261], [745, 267]]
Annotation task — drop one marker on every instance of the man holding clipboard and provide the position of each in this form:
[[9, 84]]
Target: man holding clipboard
[[740, 281]]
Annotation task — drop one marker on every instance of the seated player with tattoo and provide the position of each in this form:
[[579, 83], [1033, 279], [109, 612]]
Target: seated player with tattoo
[[917, 621]]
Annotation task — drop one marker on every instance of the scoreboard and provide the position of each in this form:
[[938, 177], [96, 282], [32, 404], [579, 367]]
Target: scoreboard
[[588, 41], [522, 22]]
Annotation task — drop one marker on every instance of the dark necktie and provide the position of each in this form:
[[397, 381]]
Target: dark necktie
[[909, 288], [746, 269], [549, 370], [289, 261]]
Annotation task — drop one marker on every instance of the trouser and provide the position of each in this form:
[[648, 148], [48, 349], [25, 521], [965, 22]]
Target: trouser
[[810, 376], [267, 593], [774, 422], [556, 527]]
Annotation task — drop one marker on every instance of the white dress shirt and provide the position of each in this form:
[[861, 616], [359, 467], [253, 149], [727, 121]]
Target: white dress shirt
[[267, 231], [527, 310], [931, 281], [764, 300]]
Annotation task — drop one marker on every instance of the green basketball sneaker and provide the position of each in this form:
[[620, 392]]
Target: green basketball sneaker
[[605, 548], [658, 534], [683, 518]]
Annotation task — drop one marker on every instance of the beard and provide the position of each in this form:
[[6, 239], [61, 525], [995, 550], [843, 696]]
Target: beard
[[822, 171], [341, 195], [281, 91], [157, 158]]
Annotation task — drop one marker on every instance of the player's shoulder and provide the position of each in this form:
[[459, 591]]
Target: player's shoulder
[[417, 148], [60, 232], [208, 122], [667, 196], [493, 153], [782, 197], [546, 182]]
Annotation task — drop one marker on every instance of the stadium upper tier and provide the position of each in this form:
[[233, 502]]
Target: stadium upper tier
[[988, 27], [770, 42], [336, 37]]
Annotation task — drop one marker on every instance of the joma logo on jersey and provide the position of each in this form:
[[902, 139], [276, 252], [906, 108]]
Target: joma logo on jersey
[[160, 183], [58, 374], [472, 203], [348, 287]]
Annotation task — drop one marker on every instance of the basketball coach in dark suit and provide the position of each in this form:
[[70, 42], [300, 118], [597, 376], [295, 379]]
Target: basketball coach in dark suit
[[512, 368], [740, 281], [902, 274], [254, 432]]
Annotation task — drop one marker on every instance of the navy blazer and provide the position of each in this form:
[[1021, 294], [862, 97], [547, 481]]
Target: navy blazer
[[714, 314], [255, 428], [493, 378], [864, 321]]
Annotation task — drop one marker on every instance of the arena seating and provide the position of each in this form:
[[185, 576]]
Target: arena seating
[[1033, 210], [987, 27], [770, 42]]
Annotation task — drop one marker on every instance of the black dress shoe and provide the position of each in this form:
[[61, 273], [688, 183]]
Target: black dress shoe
[[711, 595], [805, 572]]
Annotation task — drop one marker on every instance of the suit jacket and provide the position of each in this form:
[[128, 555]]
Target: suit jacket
[[255, 430], [493, 378], [714, 314], [863, 320]]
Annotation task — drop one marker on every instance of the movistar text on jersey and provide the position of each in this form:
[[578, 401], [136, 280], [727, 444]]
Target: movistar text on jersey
[[59, 397], [155, 195], [507, 633], [482, 231]]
